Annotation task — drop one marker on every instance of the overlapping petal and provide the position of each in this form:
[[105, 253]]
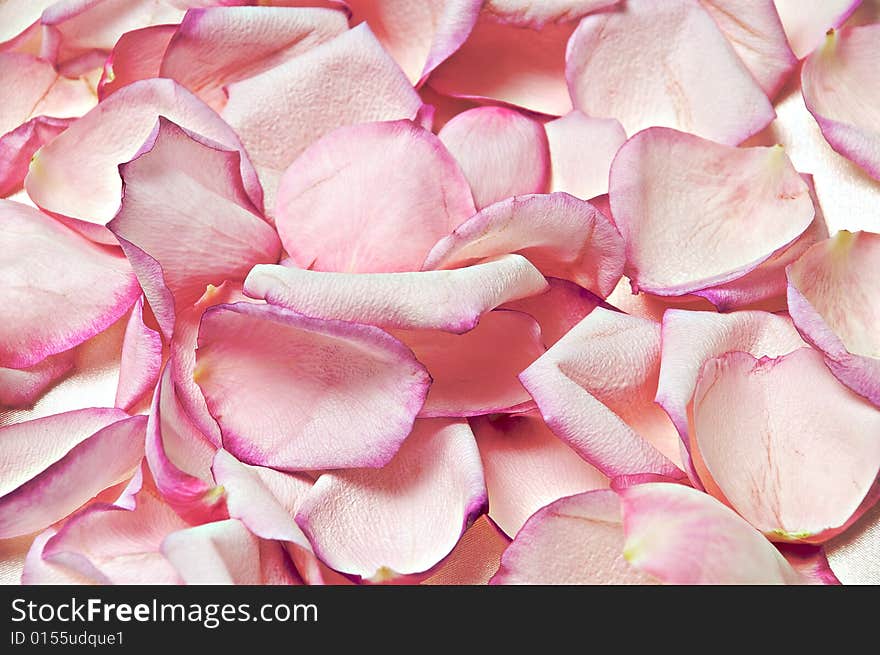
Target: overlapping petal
[[558, 309], [807, 21]]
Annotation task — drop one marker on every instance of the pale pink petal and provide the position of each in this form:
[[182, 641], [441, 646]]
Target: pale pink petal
[[76, 468], [755, 31], [595, 389], [476, 372], [120, 124], [17, 15], [683, 536], [558, 309], [63, 288], [419, 35], [564, 237], [329, 194], [841, 90], [810, 561], [404, 518], [180, 456], [23, 387], [445, 108], [182, 185], [141, 359], [637, 64], [502, 152], [573, 541], [581, 152], [37, 571], [25, 80], [350, 78], [854, 555], [796, 460], [137, 55], [345, 394], [651, 307], [19, 145], [514, 65], [538, 13], [527, 467], [689, 339], [834, 301], [434, 300], [217, 46], [475, 558], [732, 209], [807, 21], [223, 552]]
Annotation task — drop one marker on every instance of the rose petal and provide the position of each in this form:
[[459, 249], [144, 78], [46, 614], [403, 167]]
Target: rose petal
[[345, 394], [137, 55], [595, 389], [646, 305], [810, 562], [558, 309], [25, 81], [502, 152], [23, 387], [121, 124], [795, 460], [442, 300], [806, 21], [732, 209], [183, 185], [575, 540], [581, 151], [224, 552], [537, 14], [17, 15], [64, 291], [141, 359], [18, 146], [682, 536], [329, 194], [528, 467], [562, 236], [836, 307], [476, 372], [614, 70], [404, 518], [351, 80]]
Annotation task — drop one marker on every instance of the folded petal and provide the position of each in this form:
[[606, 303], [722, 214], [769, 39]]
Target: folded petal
[[418, 35], [810, 561], [502, 152], [137, 55], [345, 394], [841, 90], [404, 518], [581, 151], [806, 22], [183, 185], [141, 359], [120, 124], [351, 79], [440, 300], [19, 145], [636, 64], [223, 552], [796, 461], [528, 467], [23, 387], [329, 194], [595, 389], [475, 558], [756, 34], [476, 372], [64, 288], [854, 555], [562, 236], [217, 46], [731, 209], [575, 540], [558, 309], [683, 536], [836, 306]]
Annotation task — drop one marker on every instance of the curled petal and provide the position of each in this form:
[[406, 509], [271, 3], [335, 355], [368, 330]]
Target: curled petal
[[807, 21], [65, 290], [528, 467], [418, 505], [732, 210], [329, 194], [120, 124], [581, 151], [502, 152], [613, 72], [797, 461], [476, 372], [181, 184], [595, 389], [562, 236], [137, 55], [836, 306], [434, 300], [292, 392], [141, 359], [683, 536], [841, 90], [575, 540]]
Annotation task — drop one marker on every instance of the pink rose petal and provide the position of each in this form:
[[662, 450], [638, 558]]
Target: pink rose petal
[[137, 55], [141, 359], [558, 309], [806, 21], [23, 387]]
